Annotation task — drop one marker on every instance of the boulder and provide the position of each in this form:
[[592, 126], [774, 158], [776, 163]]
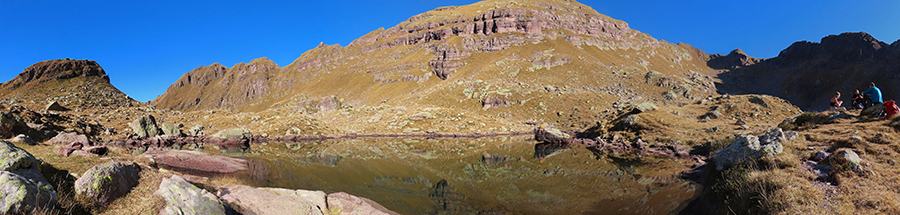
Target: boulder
[[12, 125], [551, 135], [21, 195], [107, 182], [185, 198], [233, 134], [644, 107], [349, 204], [847, 157], [196, 130], [170, 130], [145, 126], [22, 186], [200, 162], [55, 106], [249, 200], [749, 148], [23, 139], [65, 139]]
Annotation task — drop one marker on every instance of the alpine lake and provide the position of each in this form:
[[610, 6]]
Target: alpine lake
[[491, 175]]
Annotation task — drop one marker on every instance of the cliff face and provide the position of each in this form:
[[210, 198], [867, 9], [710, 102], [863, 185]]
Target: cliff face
[[75, 83], [808, 73], [522, 58]]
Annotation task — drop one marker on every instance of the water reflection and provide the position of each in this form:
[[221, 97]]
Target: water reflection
[[502, 175]]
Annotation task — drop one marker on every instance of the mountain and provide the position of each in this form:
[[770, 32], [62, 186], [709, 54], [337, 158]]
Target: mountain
[[524, 59], [74, 83], [808, 73]]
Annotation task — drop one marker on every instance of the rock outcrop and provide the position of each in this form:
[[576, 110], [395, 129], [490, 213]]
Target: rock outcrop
[[182, 197], [107, 182], [22, 186], [750, 148]]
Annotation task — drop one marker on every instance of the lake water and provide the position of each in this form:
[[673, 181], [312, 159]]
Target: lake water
[[498, 175]]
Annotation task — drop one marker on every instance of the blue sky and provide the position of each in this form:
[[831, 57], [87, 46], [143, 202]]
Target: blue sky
[[145, 46]]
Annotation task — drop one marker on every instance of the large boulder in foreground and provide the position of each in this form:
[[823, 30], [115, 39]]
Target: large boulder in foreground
[[350, 204], [22, 187], [145, 127], [250, 200], [196, 162], [107, 182], [183, 197], [750, 148]]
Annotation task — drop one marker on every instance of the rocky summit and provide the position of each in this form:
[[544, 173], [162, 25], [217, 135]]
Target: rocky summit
[[498, 107]]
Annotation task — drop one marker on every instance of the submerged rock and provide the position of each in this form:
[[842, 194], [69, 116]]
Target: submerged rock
[[196, 161], [107, 182], [183, 197]]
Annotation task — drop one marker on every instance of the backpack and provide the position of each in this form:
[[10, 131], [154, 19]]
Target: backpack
[[890, 109]]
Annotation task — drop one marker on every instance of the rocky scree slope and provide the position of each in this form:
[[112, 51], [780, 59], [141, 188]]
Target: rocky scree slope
[[547, 60], [808, 73]]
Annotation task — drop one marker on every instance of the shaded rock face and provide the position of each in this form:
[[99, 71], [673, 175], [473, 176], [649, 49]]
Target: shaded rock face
[[145, 126], [183, 197], [22, 187], [108, 181], [350, 204], [11, 125], [808, 73], [749, 148], [57, 69], [55, 106], [249, 200], [735, 59]]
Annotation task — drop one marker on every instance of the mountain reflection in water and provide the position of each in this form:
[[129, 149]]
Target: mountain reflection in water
[[498, 175]]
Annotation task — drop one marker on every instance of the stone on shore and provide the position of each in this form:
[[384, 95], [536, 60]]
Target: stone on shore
[[349, 204], [145, 126], [183, 197], [182, 160], [749, 148], [249, 200]]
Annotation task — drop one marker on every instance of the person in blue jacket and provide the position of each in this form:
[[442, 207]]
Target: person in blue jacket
[[877, 108], [874, 93]]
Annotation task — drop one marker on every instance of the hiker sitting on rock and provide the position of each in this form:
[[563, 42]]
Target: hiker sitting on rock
[[874, 94], [835, 103], [857, 102]]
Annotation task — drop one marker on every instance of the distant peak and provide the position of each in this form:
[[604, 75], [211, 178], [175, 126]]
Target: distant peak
[[737, 52], [58, 69], [263, 61]]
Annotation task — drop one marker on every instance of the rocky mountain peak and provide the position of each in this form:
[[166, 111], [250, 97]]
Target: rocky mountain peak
[[736, 59], [55, 70]]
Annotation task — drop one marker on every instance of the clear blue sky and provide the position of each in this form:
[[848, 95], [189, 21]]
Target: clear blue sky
[[145, 46]]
